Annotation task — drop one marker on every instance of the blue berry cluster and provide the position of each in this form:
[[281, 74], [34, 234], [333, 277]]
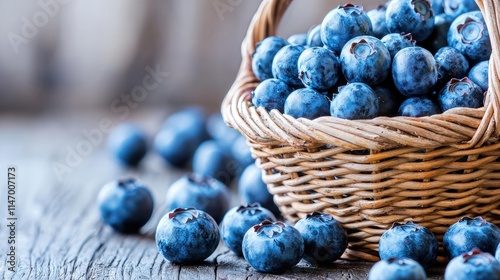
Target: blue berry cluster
[[432, 56]]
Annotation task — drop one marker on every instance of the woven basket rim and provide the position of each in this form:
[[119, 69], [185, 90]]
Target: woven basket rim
[[462, 128]]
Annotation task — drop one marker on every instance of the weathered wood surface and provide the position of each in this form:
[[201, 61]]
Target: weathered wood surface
[[59, 233]]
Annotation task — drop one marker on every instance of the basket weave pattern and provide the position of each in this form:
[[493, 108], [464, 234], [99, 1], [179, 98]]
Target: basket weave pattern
[[371, 173]]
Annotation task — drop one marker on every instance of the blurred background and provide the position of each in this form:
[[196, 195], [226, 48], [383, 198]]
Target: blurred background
[[72, 55]]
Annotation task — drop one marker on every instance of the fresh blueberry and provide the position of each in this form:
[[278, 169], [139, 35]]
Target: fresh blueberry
[[220, 132], [325, 240], [469, 35], [451, 64], [314, 37], [377, 17], [439, 35], [479, 74], [473, 265], [460, 93], [410, 16], [181, 133], [365, 59], [497, 253], [455, 8], [319, 68], [272, 247], [389, 100], [342, 24], [285, 65], [355, 101], [418, 107], [187, 236], [409, 240], [263, 56], [394, 42], [203, 193], [467, 234], [437, 6], [212, 160], [252, 189], [241, 153], [414, 71], [298, 39], [125, 205], [238, 221], [307, 103], [397, 269], [271, 94], [128, 144]]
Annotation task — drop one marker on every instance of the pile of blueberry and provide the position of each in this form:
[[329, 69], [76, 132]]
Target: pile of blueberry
[[408, 57]]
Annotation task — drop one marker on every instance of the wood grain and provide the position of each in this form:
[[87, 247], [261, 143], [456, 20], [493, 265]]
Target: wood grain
[[60, 234]]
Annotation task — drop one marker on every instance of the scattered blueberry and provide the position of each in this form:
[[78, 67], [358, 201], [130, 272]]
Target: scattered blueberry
[[187, 236], [272, 247], [479, 74], [238, 221], [241, 153], [203, 193], [263, 56], [125, 205], [455, 8], [467, 234], [460, 93], [409, 240], [298, 39], [344, 23], [325, 240], [355, 101], [377, 17], [414, 71], [394, 42], [319, 68], [473, 265], [128, 143], [251, 189], [397, 269], [418, 107], [365, 59], [271, 94], [284, 65], [220, 132], [307, 103], [212, 160], [469, 35], [314, 37], [451, 64], [410, 16]]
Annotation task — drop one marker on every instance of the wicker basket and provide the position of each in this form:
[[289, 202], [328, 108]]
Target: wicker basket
[[371, 173]]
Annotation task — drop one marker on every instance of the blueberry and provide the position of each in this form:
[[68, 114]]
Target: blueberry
[[241, 153], [497, 253], [314, 37], [307, 103], [365, 59], [271, 94], [325, 240], [319, 68], [451, 64], [284, 66], [355, 101], [298, 39], [344, 23], [460, 93], [394, 42], [125, 205], [439, 35], [187, 236], [397, 269], [414, 71], [377, 18], [410, 16], [479, 74], [251, 189], [272, 247], [409, 240], [388, 100], [469, 35], [418, 107], [238, 221], [203, 193], [128, 144], [467, 234], [220, 132], [437, 6], [473, 265], [262, 58], [455, 8], [212, 160]]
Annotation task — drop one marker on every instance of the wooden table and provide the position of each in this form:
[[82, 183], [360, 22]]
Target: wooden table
[[59, 234]]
